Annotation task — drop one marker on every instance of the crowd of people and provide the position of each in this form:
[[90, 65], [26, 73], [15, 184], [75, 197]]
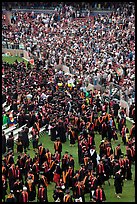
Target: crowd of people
[[93, 49], [61, 39]]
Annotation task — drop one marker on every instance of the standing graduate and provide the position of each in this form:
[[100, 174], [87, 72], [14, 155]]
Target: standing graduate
[[118, 183], [99, 195]]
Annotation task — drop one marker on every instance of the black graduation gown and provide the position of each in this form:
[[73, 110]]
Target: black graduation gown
[[4, 189], [72, 138], [3, 144], [53, 133], [10, 143], [58, 194], [42, 195], [17, 187], [61, 133], [19, 146], [32, 192], [118, 183]]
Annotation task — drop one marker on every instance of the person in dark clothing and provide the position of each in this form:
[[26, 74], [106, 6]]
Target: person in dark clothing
[[67, 197], [3, 143], [11, 198], [58, 194], [25, 138], [42, 194], [116, 107], [19, 145], [72, 136], [24, 195], [10, 142], [117, 152], [118, 183], [99, 195], [11, 176], [53, 132], [61, 132], [4, 187], [17, 188], [58, 146], [31, 188]]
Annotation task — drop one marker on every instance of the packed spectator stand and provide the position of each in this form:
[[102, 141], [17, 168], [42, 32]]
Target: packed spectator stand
[[95, 49]]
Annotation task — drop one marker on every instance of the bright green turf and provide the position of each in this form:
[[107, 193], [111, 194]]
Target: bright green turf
[[11, 59]]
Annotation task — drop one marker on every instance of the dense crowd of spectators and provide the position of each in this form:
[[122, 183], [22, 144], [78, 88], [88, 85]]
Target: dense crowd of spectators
[[52, 5], [100, 49], [94, 49]]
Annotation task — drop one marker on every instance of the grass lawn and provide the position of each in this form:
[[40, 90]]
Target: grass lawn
[[128, 194], [11, 59]]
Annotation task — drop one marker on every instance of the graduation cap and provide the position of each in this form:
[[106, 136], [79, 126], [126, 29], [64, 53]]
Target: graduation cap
[[116, 160], [41, 173], [94, 173], [10, 152], [29, 177], [5, 154], [57, 187], [121, 156], [82, 165], [67, 191]]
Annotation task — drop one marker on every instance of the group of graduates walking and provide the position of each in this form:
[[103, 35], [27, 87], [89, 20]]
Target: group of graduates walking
[[28, 178]]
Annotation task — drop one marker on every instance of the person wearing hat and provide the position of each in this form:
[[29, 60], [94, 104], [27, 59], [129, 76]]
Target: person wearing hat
[[117, 152], [71, 132], [65, 161], [71, 161], [17, 188], [93, 156], [3, 143], [92, 184], [18, 174], [24, 195], [41, 153], [35, 170], [79, 191], [67, 197], [11, 198], [99, 195], [61, 133], [58, 194], [31, 189], [100, 172], [11, 176], [4, 187], [42, 194], [19, 145], [10, 142], [127, 164], [10, 159], [27, 165], [118, 183], [58, 146]]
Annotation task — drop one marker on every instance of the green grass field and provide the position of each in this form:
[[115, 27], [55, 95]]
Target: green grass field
[[128, 194], [11, 59]]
